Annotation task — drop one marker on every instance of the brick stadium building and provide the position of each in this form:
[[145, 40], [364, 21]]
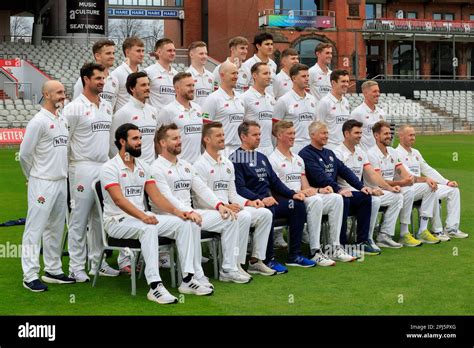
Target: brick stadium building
[[398, 39]]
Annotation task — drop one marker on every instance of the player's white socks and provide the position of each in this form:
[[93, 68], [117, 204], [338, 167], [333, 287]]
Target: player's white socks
[[403, 229], [423, 224]]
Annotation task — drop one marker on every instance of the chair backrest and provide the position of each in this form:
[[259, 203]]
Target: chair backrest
[[99, 203]]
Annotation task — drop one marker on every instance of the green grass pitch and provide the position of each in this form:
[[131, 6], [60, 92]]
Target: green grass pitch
[[429, 280]]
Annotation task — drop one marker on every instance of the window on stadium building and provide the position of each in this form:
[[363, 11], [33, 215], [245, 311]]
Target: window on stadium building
[[442, 60], [283, 6], [306, 50], [403, 61], [146, 2]]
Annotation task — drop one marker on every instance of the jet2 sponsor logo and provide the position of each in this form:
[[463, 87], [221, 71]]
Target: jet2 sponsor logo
[[37, 331], [221, 185], [132, 191], [306, 117], [265, 115], [60, 140], [101, 126], [167, 90], [147, 130], [293, 177], [192, 129], [182, 185], [201, 92], [233, 118]]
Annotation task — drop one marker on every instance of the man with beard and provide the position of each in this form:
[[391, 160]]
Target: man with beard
[[176, 178], [186, 114], [43, 159], [226, 106], [89, 118], [137, 112], [124, 180]]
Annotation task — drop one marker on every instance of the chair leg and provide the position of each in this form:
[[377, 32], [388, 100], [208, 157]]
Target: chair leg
[[141, 262], [215, 261], [133, 265], [173, 266], [96, 275]]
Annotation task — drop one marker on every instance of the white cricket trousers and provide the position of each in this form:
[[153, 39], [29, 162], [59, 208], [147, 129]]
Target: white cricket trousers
[[394, 203], [453, 205], [168, 226], [83, 212], [414, 193], [229, 231], [330, 204], [261, 219], [47, 209]]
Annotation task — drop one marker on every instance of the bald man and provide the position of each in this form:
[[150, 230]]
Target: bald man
[[226, 107], [447, 189], [43, 159]]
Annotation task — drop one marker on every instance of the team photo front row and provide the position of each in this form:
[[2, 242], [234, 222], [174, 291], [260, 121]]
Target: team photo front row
[[230, 188]]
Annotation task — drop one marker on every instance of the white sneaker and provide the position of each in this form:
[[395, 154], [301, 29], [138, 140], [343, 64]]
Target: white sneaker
[[106, 271], [278, 241], [161, 295], [442, 236], [385, 241], [233, 276], [80, 276], [165, 260], [340, 255], [205, 281], [260, 268], [321, 259], [193, 287], [242, 271], [458, 234]]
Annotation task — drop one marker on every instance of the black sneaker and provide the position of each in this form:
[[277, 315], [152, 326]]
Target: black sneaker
[[57, 279], [35, 286]]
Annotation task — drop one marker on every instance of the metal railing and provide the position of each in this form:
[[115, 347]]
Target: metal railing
[[18, 90], [419, 25]]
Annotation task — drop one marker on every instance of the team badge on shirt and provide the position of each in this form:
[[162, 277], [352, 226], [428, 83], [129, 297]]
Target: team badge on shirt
[[299, 163], [41, 200], [186, 169], [141, 174], [209, 80], [359, 158], [228, 171], [80, 188]]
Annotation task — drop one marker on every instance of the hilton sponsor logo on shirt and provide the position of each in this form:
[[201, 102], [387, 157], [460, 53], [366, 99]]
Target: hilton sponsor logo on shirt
[[293, 177], [265, 115], [132, 191], [201, 92], [324, 89], [167, 90], [147, 130], [236, 118], [60, 140], [306, 117], [192, 129], [221, 185], [182, 185], [341, 119], [101, 126]]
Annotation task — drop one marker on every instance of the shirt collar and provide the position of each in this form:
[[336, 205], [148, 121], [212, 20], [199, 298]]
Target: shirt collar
[[257, 93], [167, 163], [194, 71], [334, 99], [121, 164], [296, 96], [320, 71], [211, 160], [163, 70], [405, 151], [49, 114], [181, 107], [127, 67], [225, 95], [86, 101], [282, 157], [136, 102]]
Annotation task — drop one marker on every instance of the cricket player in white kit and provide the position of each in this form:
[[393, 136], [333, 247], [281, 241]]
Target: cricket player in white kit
[[104, 54], [258, 105], [290, 169], [368, 113], [297, 106], [219, 174], [319, 73], [124, 180], [333, 108], [139, 113], [177, 179], [186, 114], [352, 155], [161, 74], [283, 83], [386, 160], [89, 118], [263, 43], [43, 159], [203, 78], [447, 189], [238, 47], [114, 90], [226, 106]]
